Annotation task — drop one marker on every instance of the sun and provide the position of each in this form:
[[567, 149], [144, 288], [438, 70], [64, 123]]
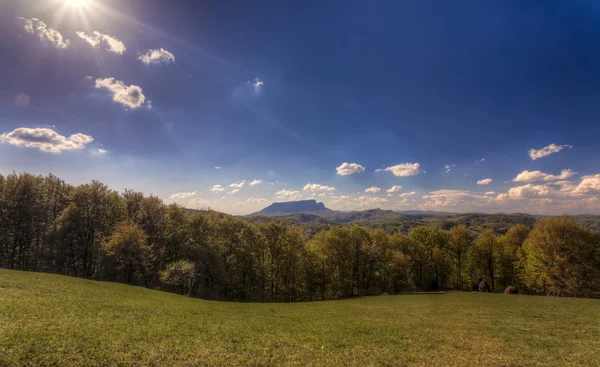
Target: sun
[[78, 3]]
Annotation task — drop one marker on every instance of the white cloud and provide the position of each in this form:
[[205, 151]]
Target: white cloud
[[45, 139], [344, 197], [373, 189], [182, 195], [97, 39], [480, 160], [407, 194], [403, 169], [454, 199], [370, 202], [349, 169], [288, 195], [589, 185], [217, 188], [485, 181], [158, 56], [130, 96], [526, 191], [101, 151], [490, 193], [546, 151], [234, 191], [256, 200], [317, 187], [532, 176], [394, 189], [257, 84], [49, 35], [256, 182], [217, 167], [238, 185], [448, 167]]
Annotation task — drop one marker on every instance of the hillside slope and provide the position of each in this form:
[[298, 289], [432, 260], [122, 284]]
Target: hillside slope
[[62, 321]]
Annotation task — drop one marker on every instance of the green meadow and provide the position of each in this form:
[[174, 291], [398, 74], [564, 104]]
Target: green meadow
[[53, 320]]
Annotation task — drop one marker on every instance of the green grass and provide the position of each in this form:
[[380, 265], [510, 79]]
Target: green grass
[[61, 321]]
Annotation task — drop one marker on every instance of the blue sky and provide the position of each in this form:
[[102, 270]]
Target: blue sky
[[458, 106]]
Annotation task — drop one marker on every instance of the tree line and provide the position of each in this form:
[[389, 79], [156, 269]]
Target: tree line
[[91, 231]]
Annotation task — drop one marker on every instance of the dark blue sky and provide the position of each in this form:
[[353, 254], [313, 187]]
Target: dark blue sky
[[286, 92]]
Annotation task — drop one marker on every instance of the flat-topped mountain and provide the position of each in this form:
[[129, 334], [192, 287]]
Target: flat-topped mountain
[[290, 207]]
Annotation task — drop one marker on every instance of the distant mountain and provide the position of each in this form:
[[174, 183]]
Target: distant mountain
[[293, 207], [424, 212]]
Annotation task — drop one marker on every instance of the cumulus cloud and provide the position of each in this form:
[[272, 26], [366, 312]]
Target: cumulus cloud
[[546, 151], [101, 151], [130, 96], [403, 169], [407, 194], [344, 197], [349, 169], [158, 56], [317, 187], [238, 185], [288, 195], [255, 182], [217, 188], [182, 195], [48, 35], [589, 185], [526, 191], [394, 189], [532, 176], [490, 193], [485, 181], [44, 139], [373, 189], [454, 198], [97, 39], [234, 191]]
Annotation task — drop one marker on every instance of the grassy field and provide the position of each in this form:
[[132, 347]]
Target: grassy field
[[61, 321]]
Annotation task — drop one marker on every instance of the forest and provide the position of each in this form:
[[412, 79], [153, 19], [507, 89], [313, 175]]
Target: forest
[[91, 231]]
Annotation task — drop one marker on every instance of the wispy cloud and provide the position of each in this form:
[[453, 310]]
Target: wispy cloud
[[182, 195], [255, 182], [46, 34], [238, 185], [217, 188], [97, 39], [535, 154]]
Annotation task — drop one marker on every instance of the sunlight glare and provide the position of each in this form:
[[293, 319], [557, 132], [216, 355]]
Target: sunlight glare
[[78, 3]]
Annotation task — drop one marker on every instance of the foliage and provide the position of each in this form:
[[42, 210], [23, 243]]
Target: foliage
[[562, 258], [179, 275], [93, 232]]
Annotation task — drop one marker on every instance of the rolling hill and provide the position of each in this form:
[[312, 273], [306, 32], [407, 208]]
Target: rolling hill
[[53, 320], [317, 217]]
